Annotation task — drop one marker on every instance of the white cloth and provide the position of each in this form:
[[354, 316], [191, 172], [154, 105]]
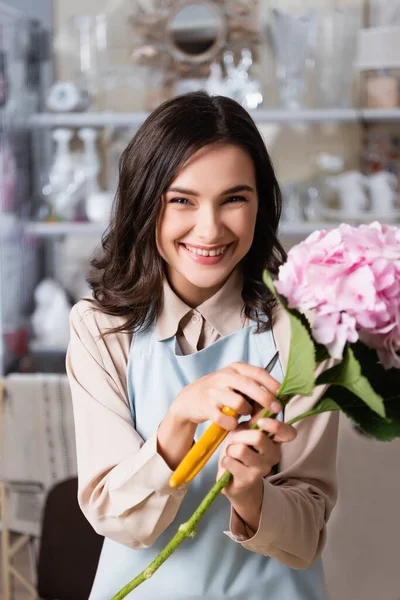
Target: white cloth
[[38, 445]]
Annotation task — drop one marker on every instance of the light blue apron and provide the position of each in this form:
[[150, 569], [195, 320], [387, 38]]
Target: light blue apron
[[209, 566]]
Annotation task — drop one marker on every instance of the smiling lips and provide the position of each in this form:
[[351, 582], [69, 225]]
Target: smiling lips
[[203, 256]]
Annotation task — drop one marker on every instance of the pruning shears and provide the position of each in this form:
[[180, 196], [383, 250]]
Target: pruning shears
[[203, 449]]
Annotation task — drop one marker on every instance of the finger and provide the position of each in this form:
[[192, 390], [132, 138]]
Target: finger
[[258, 414], [282, 431], [247, 386], [221, 470], [250, 437], [245, 455], [258, 443], [224, 421], [242, 475], [228, 397], [258, 374], [229, 439]]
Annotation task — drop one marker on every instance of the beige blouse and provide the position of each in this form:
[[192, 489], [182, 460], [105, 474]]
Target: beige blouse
[[123, 481]]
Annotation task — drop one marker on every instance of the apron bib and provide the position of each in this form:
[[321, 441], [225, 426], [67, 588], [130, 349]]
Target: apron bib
[[209, 566]]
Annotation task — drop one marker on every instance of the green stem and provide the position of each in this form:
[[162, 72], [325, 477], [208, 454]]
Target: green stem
[[188, 529], [308, 413]]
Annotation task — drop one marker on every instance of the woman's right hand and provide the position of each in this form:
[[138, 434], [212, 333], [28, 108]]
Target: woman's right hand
[[203, 399]]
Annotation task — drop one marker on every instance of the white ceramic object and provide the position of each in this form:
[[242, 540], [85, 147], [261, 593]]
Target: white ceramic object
[[62, 169], [383, 192], [98, 206], [64, 190], [90, 158], [378, 48], [97, 202], [351, 187], [65, 96], [214, 84], [50, 319]]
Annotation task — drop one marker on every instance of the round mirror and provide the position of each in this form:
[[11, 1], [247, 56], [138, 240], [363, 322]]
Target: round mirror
[[196, 31]]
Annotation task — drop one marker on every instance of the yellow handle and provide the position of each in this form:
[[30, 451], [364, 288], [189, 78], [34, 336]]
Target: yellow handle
[[211, 449], [200, 452]]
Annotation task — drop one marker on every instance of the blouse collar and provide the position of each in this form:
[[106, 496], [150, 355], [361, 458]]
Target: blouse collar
[[223, 311]]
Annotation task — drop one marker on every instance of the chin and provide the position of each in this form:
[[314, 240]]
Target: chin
[[206, 280]]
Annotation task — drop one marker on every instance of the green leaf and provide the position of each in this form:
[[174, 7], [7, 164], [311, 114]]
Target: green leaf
[[270, 285], [299, 377], [348, 375], [321, 353], [325, 404], [385, 382], [384, 429]]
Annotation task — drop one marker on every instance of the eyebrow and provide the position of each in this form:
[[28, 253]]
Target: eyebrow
[[233, 190]]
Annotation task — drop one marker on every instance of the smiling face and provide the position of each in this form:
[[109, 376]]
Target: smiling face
[[207, 220]]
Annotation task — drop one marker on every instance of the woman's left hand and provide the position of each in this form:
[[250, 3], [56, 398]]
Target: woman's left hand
[[250, 455]]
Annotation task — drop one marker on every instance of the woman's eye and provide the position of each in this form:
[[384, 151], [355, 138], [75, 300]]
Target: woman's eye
[[233, 199], [179, 201]]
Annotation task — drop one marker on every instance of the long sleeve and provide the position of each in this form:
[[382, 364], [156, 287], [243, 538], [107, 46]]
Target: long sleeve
[[298, 500], [123, 481]]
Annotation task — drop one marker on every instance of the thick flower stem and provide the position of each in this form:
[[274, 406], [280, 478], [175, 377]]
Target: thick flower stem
[[188, 529]]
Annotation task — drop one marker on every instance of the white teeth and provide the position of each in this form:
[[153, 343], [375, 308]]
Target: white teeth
[[202, 252]]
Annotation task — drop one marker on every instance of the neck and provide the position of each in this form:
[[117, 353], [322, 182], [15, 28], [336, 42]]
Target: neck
[[192, 295]]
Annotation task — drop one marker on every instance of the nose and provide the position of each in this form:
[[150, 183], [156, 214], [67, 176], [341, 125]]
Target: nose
[[209, 225]]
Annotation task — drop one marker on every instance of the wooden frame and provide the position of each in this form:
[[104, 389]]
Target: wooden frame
[[10, 550]]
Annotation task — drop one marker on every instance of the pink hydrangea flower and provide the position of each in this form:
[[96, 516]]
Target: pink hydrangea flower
[[350, 278]]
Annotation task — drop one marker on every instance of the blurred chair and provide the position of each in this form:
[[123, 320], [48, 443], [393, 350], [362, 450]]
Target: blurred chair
[[69, 547]]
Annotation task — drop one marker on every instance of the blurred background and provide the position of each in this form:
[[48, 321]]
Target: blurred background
[[322, 81]]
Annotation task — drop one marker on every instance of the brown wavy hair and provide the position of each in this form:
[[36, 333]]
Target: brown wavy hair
[[126, 278]]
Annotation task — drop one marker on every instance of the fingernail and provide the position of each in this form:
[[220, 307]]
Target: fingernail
[[276, 407]]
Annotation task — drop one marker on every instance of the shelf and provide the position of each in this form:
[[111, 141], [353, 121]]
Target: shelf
[[99, 119], [272, 115], [43, 229], [309, 115], [87, 119], [380, 114], [48, 230], [304, 228]]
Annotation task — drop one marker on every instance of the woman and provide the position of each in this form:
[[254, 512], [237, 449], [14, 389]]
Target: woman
[[181, 324]]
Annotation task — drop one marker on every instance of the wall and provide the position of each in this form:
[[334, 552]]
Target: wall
[[361, 557]]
